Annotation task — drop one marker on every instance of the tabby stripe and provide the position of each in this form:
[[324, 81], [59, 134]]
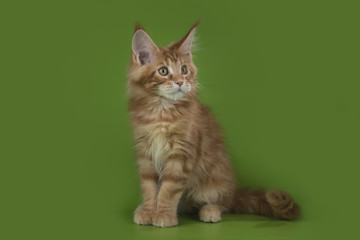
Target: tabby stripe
[[174, 178], [287, 206], [177, 156], [149, 176]]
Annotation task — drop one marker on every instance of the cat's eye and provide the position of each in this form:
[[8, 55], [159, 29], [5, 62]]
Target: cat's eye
[[163, 71], [184, 69]]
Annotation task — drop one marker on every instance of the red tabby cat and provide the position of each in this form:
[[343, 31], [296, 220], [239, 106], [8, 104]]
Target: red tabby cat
[[181, 156]]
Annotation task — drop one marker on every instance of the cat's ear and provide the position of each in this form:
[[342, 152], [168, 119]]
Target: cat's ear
[[143, 47], [186, 43]]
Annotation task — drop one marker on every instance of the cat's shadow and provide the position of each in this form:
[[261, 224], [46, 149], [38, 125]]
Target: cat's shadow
[[262, 222]]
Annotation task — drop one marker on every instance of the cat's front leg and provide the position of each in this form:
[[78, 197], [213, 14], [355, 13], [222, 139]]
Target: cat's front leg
[[173, 181], [149, 187]]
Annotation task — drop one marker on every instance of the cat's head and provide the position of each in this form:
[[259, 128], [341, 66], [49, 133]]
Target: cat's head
[[165, 72]]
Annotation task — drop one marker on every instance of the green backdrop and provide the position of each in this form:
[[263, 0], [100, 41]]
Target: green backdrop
[[280, 76]]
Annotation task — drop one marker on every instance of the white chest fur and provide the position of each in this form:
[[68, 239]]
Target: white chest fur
[[158, 145]]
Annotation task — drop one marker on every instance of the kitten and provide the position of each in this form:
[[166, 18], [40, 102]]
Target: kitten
[[181, 157]]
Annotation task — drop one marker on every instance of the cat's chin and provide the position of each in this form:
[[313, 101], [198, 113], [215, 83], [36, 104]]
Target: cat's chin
[[176, 96]]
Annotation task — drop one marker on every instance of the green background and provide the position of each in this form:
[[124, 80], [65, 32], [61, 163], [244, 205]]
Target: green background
[[280, 76]]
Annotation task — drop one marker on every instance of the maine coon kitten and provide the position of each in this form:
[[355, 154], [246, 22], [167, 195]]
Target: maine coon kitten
[[182, 161]]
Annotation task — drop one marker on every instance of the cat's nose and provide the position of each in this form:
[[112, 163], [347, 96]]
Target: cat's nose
[[179, 83]]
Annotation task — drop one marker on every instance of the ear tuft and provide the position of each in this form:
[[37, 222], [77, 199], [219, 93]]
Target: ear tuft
[[186, 43], [138, 27]]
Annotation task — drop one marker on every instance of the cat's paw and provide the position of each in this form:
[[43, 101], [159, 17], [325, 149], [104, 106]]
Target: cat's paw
[[143, 216], [164, 219], [210, 213]]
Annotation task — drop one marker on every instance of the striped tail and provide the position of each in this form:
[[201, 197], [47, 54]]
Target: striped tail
[[272, 203]]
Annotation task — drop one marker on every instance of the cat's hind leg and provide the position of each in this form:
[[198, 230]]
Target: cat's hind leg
[[210, 213]]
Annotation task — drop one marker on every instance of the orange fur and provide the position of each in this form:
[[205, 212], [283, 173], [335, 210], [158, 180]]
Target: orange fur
[[181, 156]]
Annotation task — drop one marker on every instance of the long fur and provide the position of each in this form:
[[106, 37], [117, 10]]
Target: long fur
[[182, 160]]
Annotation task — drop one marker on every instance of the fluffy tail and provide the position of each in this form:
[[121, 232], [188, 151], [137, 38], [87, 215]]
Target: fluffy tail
[[272, 203]]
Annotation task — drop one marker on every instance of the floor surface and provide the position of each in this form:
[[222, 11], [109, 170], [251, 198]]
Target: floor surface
[[231, 227]]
